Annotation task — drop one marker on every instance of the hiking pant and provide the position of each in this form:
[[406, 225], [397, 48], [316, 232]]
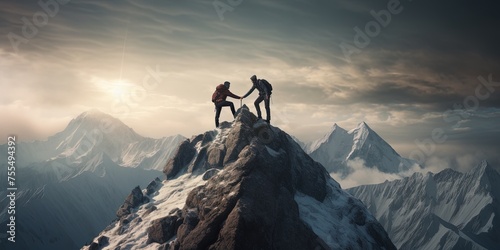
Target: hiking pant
[[218, 108], [266, 103]]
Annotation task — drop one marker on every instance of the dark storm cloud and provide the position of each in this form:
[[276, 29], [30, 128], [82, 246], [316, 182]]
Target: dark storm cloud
[[392, 93], [443, 26]]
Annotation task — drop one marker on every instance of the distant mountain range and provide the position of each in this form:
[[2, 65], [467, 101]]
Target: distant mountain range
[[93, 133], [69, 184], [339, 146], [447, 210]]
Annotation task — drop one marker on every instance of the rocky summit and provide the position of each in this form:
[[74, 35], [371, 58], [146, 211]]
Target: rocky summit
[[246, 185]]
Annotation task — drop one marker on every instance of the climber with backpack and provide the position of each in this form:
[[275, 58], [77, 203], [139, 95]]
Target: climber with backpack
[[219, 99], [265, 90]]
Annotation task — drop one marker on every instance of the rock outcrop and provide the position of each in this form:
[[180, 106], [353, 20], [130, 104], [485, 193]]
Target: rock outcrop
[[134, 199], [248, 185]]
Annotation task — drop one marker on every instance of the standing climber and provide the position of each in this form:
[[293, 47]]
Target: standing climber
[[219, 99], [265, 91]]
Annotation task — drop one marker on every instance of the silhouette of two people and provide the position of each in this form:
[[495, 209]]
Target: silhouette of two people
[[222, 92]]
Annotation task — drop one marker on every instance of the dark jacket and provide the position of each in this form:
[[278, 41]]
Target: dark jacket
[[224, 93], [260, 87]]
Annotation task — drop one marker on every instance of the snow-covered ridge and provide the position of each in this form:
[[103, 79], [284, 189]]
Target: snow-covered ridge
[[75, 177], [313, 146], [94, 132], [339, 146], [430, 211], [168, 196]]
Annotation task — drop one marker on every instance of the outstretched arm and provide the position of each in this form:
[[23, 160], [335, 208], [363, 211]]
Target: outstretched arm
[[250, 91], [229, 93]]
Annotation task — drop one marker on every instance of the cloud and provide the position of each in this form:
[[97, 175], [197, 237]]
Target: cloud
[[363, 175], [29, 124], [401, 83]]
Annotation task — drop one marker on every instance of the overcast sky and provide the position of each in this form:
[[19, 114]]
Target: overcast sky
[[401, 67]]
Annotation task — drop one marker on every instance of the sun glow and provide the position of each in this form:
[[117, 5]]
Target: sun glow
[[117, 89]]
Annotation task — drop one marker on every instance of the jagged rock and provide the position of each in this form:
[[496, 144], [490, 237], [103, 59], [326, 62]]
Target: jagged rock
[[184, 155], [133, 200], [152, 186], [255, 208], [176, 211], [200, 163], [239, 136], [225, 125], [308, 176], [256, 200], [216, 156], [207, 138], [210, 173], [163, 229], [124, 221], [262, 192], [103, 241], [94, 246], [122, 211]]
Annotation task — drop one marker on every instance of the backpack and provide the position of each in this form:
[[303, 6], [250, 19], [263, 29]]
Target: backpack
[[215, 96], [267, 85]]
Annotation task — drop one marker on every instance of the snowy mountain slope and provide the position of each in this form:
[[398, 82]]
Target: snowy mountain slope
[[243, 186], [93, 132], [63, 215], [339, 146], [92, 151], [447, 210]]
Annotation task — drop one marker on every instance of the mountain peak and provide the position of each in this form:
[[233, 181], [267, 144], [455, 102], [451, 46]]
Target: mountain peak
[[334, 131], [95, 119], [94, 111], [250, 186], [336, 148], [336, 128], [363, 126], [94, 115], [484, 164], [94, 131], [362, 130], [483, 170]]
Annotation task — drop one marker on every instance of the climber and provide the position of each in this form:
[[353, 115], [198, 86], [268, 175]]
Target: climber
[[219, 99], [265, 91]]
